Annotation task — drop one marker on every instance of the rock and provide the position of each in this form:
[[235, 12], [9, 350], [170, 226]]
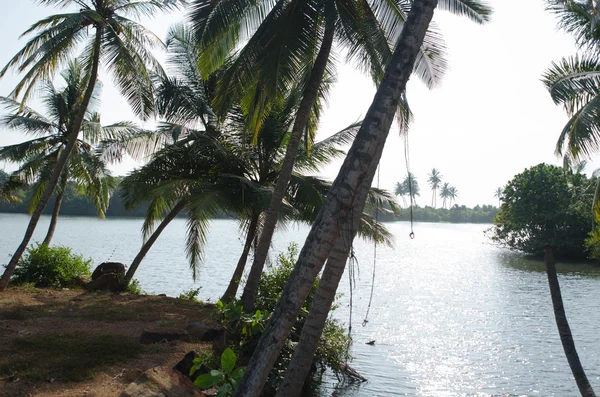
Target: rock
[[203, 332], [371, 342], [109, 281], [108, 267], [156, 336], [130, 374], [163, 295], [162, 382], [185, 365]]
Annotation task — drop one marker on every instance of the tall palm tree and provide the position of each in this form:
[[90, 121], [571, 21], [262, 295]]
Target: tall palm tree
[[401, 190], [347, 196], [499, 194], [38, 155], [452, 194], [566, 338], [110, 39], [296, 37], [445, 193], [434, 179], [411, 186]]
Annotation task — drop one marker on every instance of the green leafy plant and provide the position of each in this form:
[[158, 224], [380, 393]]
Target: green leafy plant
[[191, 294], [545, 205], [54, 266], [134, 287], [227, 378], [245, 329]]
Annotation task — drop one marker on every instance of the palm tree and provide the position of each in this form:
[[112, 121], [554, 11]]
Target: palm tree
[[499, 194], [347, 196], [445, 193], [411, 186], [400, 190], [564, 330], [38, 155], [573, 82], [434, 180], [218, 168], [296, 38], [452, 194], [120, 44]]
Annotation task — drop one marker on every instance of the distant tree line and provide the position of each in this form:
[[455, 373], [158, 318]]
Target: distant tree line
[[77, 203], [455, 214]]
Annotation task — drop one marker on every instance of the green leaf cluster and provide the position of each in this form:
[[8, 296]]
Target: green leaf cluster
[[246, 329], [55, 266], [542, 206], [227, 378]]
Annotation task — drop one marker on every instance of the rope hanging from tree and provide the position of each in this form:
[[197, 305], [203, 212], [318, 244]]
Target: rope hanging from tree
[[366, 319]]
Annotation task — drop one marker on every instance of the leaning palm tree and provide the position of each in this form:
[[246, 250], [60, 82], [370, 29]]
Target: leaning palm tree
[[434, 179], [37, 157], [291, 38], [219, 161], [347, 197], [109, 39], [564, 330]]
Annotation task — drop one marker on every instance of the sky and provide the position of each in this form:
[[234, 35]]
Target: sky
[[489, 119]]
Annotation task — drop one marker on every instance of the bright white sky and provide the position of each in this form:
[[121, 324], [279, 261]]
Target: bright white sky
[[490, 119]]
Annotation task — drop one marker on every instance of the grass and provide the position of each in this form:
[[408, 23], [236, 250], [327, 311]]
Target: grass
[[68, 357]]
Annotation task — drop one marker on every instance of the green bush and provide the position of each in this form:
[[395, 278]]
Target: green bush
[[53, 266], [546, 205], [246, 328], [134, 287]]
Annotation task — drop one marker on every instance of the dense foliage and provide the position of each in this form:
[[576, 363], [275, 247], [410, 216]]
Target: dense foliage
[[245, 329], [545, 205], [55, 266]]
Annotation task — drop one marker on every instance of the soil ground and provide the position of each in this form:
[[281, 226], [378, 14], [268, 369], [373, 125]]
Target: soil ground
[[71, 343]]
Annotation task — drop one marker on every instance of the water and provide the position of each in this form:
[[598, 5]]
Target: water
[[451, 316]]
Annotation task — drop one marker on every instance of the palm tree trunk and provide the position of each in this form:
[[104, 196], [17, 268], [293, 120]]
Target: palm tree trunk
[[241, 265], [54, 219], [148, 244], [299, 367], [344, 198], [60, 163], [564, 330], [308, 100], [432, 198]]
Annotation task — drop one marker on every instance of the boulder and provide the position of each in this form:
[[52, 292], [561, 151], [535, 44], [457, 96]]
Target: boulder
[[130, 374], [109, 281], [108, 267], [162, 382], [204, 332], [185, 365], [155, 336]]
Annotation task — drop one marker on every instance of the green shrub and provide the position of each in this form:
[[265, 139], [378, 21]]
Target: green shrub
[[227, 378], [544, 205], [246, 328], [190, 295], [53, 266], [134, 287]]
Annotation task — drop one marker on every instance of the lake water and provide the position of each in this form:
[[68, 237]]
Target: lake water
[[451, 315]]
